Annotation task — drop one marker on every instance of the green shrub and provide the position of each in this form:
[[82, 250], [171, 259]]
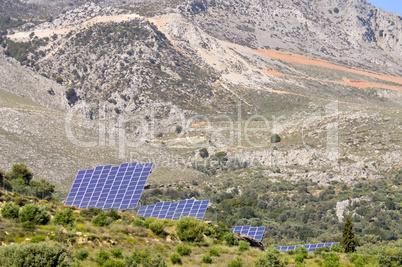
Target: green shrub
[[102, 257], [10, 211], [331, 259], [148, 221], [116, 252], [243, 245], [65, 217], [113, 263], [207, 259], [231, 239], [113, 214], [157, 227], [190, 229], [270, 258], [183, 250], [175, 258], [41, 254], [214, 252], [28, 225], [156, 261], [358, 260], [137, 256], [81, 254], [88, 214], [139, 221], [299, 258], [236, 263], [101, 219], [38, 239], [302, 251], [34, 213]]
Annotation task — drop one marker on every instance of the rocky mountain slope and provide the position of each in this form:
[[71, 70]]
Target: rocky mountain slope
[[289, 62]]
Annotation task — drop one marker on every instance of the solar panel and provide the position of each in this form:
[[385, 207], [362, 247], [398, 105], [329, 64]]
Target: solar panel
[[309, 247], [254, 232], [174, 211], [106, 187]]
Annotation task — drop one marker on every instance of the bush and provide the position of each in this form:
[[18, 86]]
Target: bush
[[113, 214], [270, 258], [139, 222], [81, 254], [156, 261], [137, 256], [175, 258], [10, 211], [37, 239], [116, 252], [214, 252], [179, 129], [59, 80], [275, 138], [157, 227], [148, 222], [231, 239], [101, 219], [204, 153], [243, 245], [302, 251], [65, 217], [102, 257], [88, 214], [41, 254], [113, 263], [331, 259], [190, 229], [28, 225], [183, 250], [34, 213], [236, 263], [207, 259]]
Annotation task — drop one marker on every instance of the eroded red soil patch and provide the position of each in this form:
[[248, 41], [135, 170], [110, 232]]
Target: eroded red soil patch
[[305, 60]]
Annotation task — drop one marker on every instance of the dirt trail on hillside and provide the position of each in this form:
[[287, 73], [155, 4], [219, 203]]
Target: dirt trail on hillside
[[305, 60]]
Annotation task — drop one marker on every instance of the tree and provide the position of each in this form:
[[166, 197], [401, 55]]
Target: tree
[[59, 80], [42, 188], [348, 241], [204, 153], [275, 138], [179, 129], [20, 171]]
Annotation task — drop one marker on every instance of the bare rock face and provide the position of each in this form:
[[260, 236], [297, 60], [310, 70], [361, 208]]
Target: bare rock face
[[253, 242]]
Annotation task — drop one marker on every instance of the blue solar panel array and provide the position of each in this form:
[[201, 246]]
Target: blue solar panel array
[[106, 187], [174, 211], [254, 232], [310, 247]]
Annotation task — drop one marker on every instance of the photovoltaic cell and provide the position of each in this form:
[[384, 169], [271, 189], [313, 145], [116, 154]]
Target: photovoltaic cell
[[309, 247], [254, 232], [106, 187], [174, 211]]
